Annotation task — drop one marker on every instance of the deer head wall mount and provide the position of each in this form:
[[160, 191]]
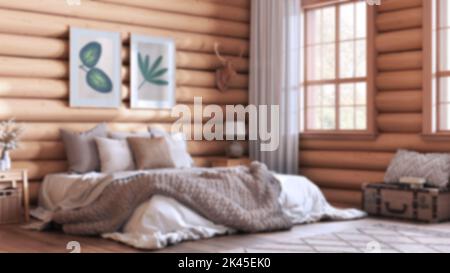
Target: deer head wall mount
[[227, 71]]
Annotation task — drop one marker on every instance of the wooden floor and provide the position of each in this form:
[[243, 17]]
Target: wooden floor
[[13, 238]]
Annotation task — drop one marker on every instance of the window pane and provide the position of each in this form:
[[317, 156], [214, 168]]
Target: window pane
[[314, 23], [346, 94], [444, 92], [321, 105], [328, 95], [347, 62], [433, 15], [434, 54], [328, 118], [361, 118], [346, 13], [444, 121], [314, 119], [329, 62], [444, 58], [353, 118], [361, 25], [444, 13], [321, 62], [347, 118], [321, 95], [361, 58], [361, 94], [314, 97], [314, 61], [328, 24]]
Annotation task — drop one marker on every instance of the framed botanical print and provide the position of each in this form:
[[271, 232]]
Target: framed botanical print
[[95, 68], [152, 72]]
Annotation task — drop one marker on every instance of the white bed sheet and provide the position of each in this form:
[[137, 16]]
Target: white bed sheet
[[162, 221]]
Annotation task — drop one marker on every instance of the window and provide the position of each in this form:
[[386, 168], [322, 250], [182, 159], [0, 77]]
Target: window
[[437, 67], [337, 81]]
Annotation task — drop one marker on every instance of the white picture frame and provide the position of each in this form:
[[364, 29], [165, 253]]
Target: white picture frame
[[95, 68], [153, 68]]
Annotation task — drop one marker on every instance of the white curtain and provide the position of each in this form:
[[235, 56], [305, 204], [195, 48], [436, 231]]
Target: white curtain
[[275, 76]]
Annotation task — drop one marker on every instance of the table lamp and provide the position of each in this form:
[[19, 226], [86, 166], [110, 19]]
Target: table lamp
[[235, 130]]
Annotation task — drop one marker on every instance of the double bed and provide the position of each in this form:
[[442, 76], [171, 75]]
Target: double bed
[[162, 220], [142, 189]]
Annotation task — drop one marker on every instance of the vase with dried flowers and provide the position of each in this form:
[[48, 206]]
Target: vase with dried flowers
[[9, 140]]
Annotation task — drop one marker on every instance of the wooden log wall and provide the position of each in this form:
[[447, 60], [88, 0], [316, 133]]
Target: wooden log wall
[[340, 167], [34, 69]]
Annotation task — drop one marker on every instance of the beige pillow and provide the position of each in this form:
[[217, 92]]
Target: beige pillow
[[435, 168], [177, 146], [81, 148], [115, 155], [151, 153]]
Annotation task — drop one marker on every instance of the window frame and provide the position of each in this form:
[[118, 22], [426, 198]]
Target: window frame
[[431, 117], [370, 131]]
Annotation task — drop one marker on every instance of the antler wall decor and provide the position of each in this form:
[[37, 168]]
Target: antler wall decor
[[227, 71]]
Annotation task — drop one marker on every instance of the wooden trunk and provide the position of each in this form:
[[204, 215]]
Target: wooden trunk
[[429, 205]]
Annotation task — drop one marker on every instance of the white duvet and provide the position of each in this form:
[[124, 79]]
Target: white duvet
[[162, 220]]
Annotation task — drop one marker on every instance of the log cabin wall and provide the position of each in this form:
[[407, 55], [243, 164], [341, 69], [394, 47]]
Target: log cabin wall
[[340, 167], [34, 71]]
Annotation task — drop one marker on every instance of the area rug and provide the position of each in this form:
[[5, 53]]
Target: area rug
[[377, 238]]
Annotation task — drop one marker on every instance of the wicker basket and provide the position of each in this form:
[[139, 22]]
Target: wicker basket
[[10, 206]]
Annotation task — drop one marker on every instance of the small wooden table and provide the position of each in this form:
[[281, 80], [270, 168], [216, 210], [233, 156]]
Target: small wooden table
[[230, 162], [17, 175]]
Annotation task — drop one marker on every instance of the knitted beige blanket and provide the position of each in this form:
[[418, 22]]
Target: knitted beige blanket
[[242, 198]]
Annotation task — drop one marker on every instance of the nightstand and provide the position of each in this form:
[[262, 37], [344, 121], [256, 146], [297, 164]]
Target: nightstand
[[14, 176], [230, 162]]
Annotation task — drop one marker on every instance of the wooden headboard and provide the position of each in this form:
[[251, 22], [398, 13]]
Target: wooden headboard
[[34, 69]]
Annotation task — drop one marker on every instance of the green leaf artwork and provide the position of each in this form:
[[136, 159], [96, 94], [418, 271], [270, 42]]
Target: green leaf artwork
[[90, 54], [96, 78], [151, 73]]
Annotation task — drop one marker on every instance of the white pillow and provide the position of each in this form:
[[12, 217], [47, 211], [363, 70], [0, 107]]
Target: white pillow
[[115, 155], [178, 151], [125, 135], [177, 147]]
